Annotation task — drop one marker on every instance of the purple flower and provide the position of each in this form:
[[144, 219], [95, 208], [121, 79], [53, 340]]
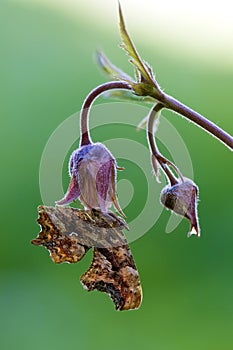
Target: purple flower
[[92, 169], [182, 199]]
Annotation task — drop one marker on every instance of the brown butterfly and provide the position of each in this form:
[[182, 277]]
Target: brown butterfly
[[68, 233]]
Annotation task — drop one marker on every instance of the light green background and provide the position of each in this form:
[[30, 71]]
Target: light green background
[[46, 70]]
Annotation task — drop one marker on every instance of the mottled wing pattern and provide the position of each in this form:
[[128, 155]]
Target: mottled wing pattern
[[68, 233], [63, 246], [113, 271]]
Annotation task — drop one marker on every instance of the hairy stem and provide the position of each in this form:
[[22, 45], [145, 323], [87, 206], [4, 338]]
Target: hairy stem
[[154, 150], [178, 107], [84, 116]]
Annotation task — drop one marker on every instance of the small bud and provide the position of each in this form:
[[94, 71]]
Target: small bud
[[182, 199], [92, 169]]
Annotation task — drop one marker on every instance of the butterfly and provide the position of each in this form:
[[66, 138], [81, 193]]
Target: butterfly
[[68, 233]]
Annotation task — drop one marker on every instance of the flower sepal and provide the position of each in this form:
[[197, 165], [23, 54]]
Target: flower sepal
[[182, 199]]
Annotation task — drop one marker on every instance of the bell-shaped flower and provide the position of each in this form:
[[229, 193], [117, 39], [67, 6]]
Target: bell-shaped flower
[[182, 199], [92, 169]]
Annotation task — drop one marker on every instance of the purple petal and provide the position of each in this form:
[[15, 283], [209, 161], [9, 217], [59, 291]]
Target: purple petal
[[103, 183], [113, 192], [72, 193]]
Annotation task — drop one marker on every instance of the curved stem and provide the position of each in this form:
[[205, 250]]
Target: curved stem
[[154, 150], [84, 116], [178, 107]]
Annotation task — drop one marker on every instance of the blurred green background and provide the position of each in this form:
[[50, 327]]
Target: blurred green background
[[46, 70]]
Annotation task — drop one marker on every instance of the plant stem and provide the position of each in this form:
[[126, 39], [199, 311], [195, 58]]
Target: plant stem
[[178, 107], [84, 116], [154, 150], [166, 101]]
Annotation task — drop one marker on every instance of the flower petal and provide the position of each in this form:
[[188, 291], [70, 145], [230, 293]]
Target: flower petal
[[103, 183], [72, 193], [182, 199], [113, 192]]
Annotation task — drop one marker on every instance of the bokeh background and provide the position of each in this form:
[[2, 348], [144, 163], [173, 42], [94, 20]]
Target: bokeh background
[[47, 68]]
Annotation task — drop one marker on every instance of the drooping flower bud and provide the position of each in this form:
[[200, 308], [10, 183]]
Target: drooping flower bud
[[182, 199], [92, 169]]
